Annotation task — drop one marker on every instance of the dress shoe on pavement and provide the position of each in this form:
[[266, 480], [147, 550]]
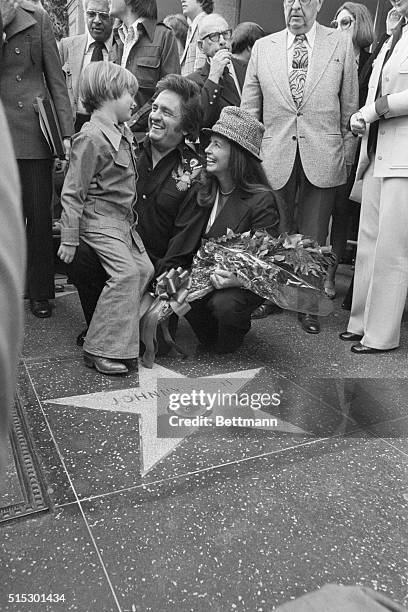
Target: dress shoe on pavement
[[360, 349], [131, 364], [264, 310], [40, 308], [81, 337], [350, 337], [104, 365], [310, 323]]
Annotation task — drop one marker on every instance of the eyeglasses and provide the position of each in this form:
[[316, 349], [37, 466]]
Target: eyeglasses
[[215, 36], [343, 24], [302, 2], [101, 15]]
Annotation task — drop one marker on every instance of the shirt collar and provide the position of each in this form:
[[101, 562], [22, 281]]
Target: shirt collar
[[310, 37], [108, 43], [113, 132], [146, 146]]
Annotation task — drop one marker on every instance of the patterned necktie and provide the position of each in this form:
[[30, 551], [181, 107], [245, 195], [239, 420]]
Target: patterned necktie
[[97, 52], [300, 64]]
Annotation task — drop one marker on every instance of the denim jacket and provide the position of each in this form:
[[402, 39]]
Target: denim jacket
[[99, 191]]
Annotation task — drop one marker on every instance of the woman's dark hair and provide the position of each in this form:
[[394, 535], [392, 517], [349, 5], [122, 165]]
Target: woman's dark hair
[[246, 171], [178, 23], [191, 109], [143, 8], [363, 35], [207, 5]]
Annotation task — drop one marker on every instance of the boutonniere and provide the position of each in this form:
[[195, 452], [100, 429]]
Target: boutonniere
[[186, 173]]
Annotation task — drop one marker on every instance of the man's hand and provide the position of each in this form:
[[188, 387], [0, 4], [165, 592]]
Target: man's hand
[[357, 124], [218, 63], [223, 279], [8, 10], [66, 253]]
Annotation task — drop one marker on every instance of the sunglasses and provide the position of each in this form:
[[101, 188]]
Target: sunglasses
[[215, 36], [302, 2], [101, 15], [343, 24]]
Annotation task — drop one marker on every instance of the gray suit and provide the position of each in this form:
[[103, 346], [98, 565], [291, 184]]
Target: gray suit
[[313, 139], [72, 51]]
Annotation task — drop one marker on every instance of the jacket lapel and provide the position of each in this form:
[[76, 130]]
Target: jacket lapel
[[231, 215], [279, 65], [21, 22], [323, 50], [76, 54], [188, 41]]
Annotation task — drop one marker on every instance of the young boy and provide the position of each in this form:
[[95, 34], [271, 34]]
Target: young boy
[[97, 198]]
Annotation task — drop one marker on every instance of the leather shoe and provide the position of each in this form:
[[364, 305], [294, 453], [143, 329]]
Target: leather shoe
[[310, 323], [40, 308], [131, 364], [81, 337], [264, 310], [360, 349], [350, 337], [104, 365]]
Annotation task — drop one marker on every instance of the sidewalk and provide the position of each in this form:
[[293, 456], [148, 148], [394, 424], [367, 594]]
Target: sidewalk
[[225, 518]]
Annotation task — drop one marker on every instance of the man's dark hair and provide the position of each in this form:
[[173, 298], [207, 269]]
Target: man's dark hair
[[207, 5], [191, 109], [143, 8], [245, 35]]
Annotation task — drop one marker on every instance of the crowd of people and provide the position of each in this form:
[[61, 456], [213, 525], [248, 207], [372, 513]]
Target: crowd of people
[[179, 130]]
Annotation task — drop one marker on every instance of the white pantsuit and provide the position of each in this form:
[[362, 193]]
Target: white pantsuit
[[381, 276]]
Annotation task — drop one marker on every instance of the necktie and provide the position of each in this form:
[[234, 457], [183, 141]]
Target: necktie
[[97, 52], [300, 64], [229, 82]]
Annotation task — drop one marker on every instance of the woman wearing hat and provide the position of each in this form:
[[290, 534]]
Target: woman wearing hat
[[239, 197]]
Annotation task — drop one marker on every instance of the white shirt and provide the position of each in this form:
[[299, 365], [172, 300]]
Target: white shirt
[[309, 42], [123, 32], [87, 58]]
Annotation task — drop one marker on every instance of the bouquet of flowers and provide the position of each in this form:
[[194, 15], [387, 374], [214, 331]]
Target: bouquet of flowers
[[289, 270]]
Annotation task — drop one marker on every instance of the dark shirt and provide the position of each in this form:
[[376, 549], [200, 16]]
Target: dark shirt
[[170, 220]]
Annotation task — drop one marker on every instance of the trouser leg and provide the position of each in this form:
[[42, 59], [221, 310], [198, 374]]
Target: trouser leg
[[114, 328], [36, 184], [367, 238], [88, 276], [389, 282]]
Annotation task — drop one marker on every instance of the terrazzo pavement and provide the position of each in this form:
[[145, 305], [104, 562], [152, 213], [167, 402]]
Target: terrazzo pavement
[[230, 518]]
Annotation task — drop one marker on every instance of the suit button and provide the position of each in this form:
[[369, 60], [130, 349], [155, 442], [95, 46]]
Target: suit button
[[387, 78], [382, 132], [17, 50], [379, 157], [294, 138], [144, 196], [215, 91], [299, 114], [18, 78], [20, 104]]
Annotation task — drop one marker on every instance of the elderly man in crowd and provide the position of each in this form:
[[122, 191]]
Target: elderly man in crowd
[[302, 83], [148, 49], [192, 58], [170, 221], [222, 77], [77, 52]]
